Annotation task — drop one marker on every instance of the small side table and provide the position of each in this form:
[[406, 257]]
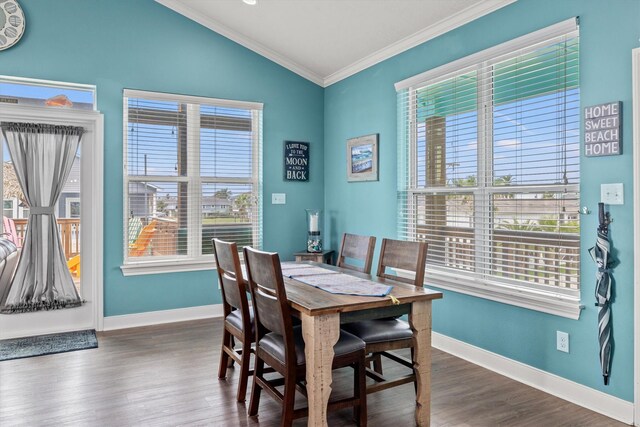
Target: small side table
[[325, 257]]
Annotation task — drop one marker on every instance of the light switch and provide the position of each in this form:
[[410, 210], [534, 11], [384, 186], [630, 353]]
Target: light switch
[[278, 198], [612, 194]]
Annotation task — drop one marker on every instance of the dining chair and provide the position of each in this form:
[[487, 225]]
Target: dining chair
[[238, 316], [404, 257], [280, 345], [141, 246], [10, 231], [74, 264], [355, 247], [133, 230], [384, 335]]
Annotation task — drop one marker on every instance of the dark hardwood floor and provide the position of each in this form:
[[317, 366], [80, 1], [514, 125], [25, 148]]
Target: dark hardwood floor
[[167, 375]]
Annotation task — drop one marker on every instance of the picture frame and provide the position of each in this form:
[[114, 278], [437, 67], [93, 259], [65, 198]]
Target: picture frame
[[362, 158]]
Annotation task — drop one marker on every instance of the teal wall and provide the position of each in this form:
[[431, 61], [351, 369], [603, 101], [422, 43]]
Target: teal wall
[[140, 44], [366, 103]]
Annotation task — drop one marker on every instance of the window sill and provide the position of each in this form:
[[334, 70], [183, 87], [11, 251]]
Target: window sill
[[546, 301], [159, 267]]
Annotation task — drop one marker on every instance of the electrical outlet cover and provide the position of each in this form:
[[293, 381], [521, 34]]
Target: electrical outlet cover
[[562, 341]]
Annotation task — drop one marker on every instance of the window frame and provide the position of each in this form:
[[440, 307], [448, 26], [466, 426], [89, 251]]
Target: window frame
[[52, 84], [548, 299], [68, 202], [194, 260]]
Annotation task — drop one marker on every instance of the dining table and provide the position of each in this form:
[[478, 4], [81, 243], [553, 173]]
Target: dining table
[[321, 314]]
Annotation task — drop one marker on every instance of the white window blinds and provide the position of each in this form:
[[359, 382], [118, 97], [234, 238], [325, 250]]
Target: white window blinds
[[192, 173], [490, 164]]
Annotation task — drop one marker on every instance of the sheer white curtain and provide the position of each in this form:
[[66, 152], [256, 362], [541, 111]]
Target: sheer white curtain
[[42, 156]]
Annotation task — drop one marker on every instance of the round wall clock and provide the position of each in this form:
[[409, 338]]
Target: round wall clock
[[11, 23]]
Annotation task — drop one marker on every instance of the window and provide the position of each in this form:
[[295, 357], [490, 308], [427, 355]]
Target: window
[[490, 171], [8, 208], [192, 172], [72, 208], [44, 93]]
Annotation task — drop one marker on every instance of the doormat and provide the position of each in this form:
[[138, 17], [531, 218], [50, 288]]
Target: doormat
[[18, 348]]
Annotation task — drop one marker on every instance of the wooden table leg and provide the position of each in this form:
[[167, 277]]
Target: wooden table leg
[[320, 334], [420, 321]]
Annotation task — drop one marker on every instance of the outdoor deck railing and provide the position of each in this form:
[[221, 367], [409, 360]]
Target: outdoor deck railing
[[514, 254], [69, 234], [168, 238]]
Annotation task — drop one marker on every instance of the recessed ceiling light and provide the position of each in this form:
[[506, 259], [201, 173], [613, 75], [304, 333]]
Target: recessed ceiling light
[[251, 2]]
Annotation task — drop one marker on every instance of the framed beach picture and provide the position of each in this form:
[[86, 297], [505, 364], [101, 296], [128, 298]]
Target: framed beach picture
[[362, 158]]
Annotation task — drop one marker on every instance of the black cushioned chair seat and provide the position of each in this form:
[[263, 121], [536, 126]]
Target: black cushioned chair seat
[[235, 319], [379, 330], [273, 344]]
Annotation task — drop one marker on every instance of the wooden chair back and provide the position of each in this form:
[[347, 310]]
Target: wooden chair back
[[73, 264], [140, 246], [403, 255], [9, 229], [268, 295], [135, 225], [357, 247], [232, 284]]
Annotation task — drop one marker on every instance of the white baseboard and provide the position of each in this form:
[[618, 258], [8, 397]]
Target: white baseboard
[[46, 322], [164, 316], [579, 394]]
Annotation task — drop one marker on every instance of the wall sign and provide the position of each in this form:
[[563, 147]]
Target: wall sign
[[603, 129], [296, 161]]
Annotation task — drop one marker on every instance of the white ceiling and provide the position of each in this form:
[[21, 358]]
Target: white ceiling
[[326, 41]]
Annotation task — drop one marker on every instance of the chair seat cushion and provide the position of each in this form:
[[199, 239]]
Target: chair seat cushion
[[235, 320], [379, 330], [273, 344]]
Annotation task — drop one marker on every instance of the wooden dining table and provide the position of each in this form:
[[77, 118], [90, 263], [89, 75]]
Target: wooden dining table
[[321, 313]]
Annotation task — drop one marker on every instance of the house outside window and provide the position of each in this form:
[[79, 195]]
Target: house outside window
[[192, 172], [490, 171]]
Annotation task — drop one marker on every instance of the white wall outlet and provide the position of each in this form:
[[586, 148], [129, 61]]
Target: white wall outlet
[[562, 341], [612, 194], [278, 198]]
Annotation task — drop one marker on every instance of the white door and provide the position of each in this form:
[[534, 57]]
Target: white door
[[89, 238]]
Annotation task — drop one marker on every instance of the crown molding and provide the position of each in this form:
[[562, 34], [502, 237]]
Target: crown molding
[[463, 17], [250, 44], [457, 20]]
